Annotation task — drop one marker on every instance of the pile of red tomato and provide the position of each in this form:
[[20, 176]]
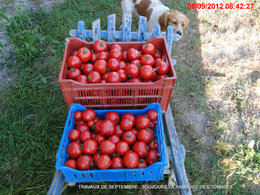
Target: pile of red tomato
[[115, 142], [116, 65]]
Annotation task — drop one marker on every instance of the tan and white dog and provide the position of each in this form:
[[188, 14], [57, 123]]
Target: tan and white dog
[[156, 13]]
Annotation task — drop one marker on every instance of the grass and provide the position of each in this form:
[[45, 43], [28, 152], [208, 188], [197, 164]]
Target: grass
[[215, 101]]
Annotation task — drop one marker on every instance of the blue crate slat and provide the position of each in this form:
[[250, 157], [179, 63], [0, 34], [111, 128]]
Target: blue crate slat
[[81, 30], [156, 30], [111, 27], [96, 32], [169, 37], [142, 28], [127, 27]]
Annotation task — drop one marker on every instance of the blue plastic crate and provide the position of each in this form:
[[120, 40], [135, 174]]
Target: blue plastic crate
[[151, 173]]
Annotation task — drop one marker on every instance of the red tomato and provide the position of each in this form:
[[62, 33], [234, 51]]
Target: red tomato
[[152, 157], [113, 77], [113, 116], [152, 124], [134, 80], [122, 74], [119, 131], [71, 163], [116, 46], [153, 145], [74, 150], [126, 124], [124, 56], [74, 134], [129, 137], [152, 115], [142, 122], [82, 79], [74, 62], [103, 81], [129, 116], [114, 138], [122, 147], [100, 66], [93, 58], [107, 147], [148, 48], [99, 46], [122, 65], [90, 146], [84, 162], [117, 163], [99, 138], [104, 76], [87, 68], [84, 54], [90, 123], [80, 122], [113, 64], [130, 160], [141, 149], [74, 53], [162, 67], [85, 135], [73, 73], [96, 157], [144, 136], [157, 54], [135, 131], [146, 72], [104, 162], [77, 115], [132, 70], [142, 164], [163, 76], [88, 115], [102, 56], [94, 77], [155, 75], [96, 119], [133, 54], [107, 127], [97, 124], [147, 60], [137, 63], [116, 53], [82, 128]]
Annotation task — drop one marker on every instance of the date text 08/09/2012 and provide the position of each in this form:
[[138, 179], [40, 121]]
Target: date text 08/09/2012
[[220, 5]]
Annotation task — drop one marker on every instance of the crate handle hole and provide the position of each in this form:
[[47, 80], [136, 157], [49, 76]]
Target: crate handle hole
[[151, 173], [135, 174], [142, 174], [69, 122], [75, 175], [91, 175], [83, 176]]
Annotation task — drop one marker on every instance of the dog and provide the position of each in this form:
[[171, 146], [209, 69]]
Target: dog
[[156, 13]]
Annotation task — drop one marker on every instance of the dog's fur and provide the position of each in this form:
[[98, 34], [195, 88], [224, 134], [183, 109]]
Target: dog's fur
[[156, 13]]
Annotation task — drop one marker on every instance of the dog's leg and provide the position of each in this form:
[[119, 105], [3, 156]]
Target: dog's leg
[[127, 8]]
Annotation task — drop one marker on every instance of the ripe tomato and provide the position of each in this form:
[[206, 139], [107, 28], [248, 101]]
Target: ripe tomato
[[104, 76], [77, 115], [132, 70], [82, 128], [129, 137], [103, 55], [84, 162], [82, 79], [146, 72], [141, 149], [122, 147], [117, 163], [133, 54], [114, 138], [157, 54], [107, 127], [99, 46], [129, 116], [152, 124], [113, 77], [90, 146], [148, 48], [126, 124], [137, 63], [142, 164], [107, 147], [152, 157], [97, 124], [153, 145], [85, 135], [94, 77], [104, 162], [73, 73], [116, 53], [74, 62], [84, 54], [113, 64], [144, 136], [96, 119], [74, 53], [155, 75], [134, 131], [162, 67], [147, 60], [116, 46], [163, 76], [124, 58], [130, 160], [80, 122], [122, 74], [74, 134], [122, 65], [90, 123], [152, 115], [93, 58], [88, 115], [74, 150], [96, 157], [119, 131], [99, 138], [87, 68], [142, 122], [113, 116], [71, 163], [100, 66], [134, 80]]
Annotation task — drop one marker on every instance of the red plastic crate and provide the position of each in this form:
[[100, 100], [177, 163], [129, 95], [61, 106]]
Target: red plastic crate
[[117, 95]]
